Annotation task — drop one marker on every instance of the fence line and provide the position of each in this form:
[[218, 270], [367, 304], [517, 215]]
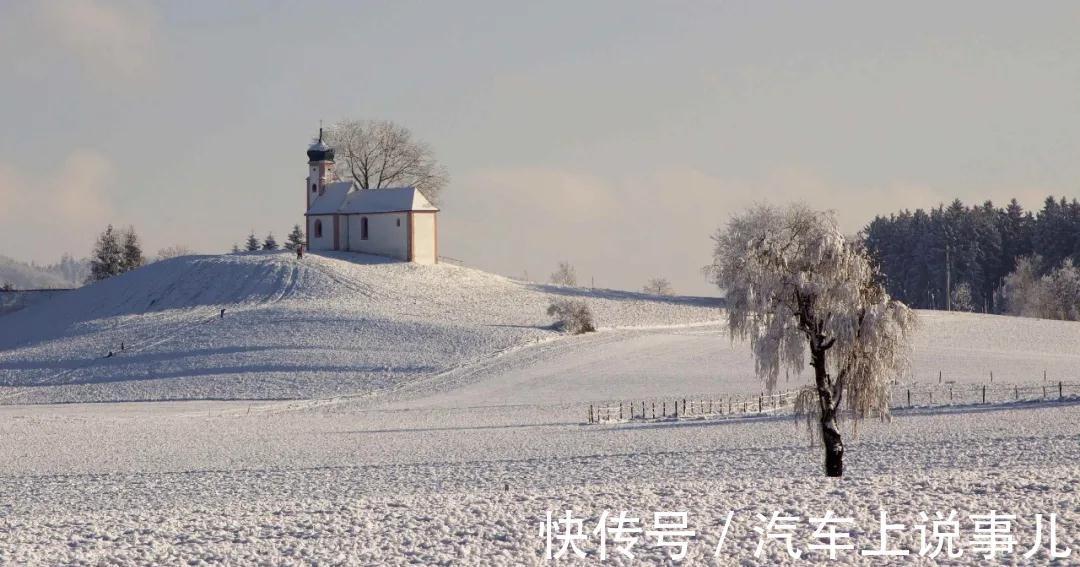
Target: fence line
[[938, 395]]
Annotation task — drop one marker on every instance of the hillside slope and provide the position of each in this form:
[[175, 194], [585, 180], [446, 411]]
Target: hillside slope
[[327, 325], [436, 335]]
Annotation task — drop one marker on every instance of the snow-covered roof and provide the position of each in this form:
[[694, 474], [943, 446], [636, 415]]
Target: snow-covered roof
[[333, 197], [345, 197]]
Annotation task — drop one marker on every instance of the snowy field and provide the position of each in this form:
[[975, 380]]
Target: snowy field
[[352, 412]]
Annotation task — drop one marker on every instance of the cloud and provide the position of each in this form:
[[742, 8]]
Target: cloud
[[112, 37], [104, 40], [626, 230], [42, 217]]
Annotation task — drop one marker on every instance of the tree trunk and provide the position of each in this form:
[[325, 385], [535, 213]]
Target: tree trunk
[[834, 446], [830, 433]]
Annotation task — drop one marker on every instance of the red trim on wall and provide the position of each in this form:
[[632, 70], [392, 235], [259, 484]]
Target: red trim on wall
[[409, 236]]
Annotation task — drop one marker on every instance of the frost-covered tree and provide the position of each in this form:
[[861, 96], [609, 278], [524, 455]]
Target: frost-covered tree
[[107, 258], [1063, 286], [1022, 290], [379, 153], [564, 275], [235, 248], [269, 243], [132, 251], [962, 299], [174, 251], [6, 286], [1054, 295], [295, 238], [572, 316], [659, 286], [793, 283], [252, 243]]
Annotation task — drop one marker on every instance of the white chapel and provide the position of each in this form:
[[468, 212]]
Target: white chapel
[[396, 222]]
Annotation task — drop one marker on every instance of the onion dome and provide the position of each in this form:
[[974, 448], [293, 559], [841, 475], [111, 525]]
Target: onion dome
[[319, 151]]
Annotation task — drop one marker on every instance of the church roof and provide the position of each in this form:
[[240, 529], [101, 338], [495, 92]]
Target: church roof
[[332, 198], [345, 197]]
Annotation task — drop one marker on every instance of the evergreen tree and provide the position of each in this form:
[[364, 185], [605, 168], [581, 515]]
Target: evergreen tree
[[132, 256], [923, 257], [252, 242], [235, 248], [107, 258], [295, 238], [269, 243]]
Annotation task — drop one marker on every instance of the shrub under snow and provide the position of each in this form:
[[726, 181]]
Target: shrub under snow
[[572, 316]]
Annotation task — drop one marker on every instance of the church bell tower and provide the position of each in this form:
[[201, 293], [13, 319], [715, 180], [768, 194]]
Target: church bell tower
[[320, 168]]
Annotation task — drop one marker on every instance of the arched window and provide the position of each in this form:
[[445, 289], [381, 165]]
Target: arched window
[[312, 187], [363, 228], [318, 228]]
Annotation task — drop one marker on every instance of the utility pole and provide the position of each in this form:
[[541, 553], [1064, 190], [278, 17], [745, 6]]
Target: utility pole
[[948, 278]]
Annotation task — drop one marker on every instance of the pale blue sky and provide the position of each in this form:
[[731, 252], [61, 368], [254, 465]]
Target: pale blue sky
[[616, 135]]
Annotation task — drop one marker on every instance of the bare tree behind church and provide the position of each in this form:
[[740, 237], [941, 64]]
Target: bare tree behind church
[[379, 154]]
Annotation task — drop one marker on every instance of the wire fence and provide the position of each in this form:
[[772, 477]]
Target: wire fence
[[783, 403]]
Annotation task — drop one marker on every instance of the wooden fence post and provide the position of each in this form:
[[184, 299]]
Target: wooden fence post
[[984, 393], [620, 411], [1061, 391], [663, 407], [1017, 392], [1044, 391], [590, 413], [909, 397], [654, 410]]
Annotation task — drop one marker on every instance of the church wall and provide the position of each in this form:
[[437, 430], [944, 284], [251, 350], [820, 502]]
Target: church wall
[[425, 238], [326, 242], [387, 235]]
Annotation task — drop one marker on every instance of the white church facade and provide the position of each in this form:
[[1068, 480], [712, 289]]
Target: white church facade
[[395, 222]]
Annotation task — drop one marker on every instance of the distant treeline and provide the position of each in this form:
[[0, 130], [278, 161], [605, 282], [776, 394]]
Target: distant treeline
[[958, 256]]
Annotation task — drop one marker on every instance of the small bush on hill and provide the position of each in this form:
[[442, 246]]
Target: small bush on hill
[[572, 316]]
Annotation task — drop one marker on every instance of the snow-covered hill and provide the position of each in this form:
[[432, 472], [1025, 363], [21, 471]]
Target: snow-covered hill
[[350, 324], [326, 325], [463, 423]]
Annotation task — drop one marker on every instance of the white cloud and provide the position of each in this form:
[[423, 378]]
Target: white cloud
[[42, 217], [623, 231], [113, 37], [104, 41]]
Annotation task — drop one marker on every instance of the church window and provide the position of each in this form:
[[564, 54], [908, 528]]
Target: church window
[[399, 222], [363, 228], [312, 187], [318, 228]]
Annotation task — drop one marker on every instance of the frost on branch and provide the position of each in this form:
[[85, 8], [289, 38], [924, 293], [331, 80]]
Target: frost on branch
[[572, 316], [794, 284]]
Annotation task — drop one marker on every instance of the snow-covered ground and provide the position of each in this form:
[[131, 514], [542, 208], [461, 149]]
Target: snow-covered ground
[[433, 418], [292, 329]]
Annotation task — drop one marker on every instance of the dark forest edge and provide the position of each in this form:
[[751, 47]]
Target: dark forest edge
[[982, 258]]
